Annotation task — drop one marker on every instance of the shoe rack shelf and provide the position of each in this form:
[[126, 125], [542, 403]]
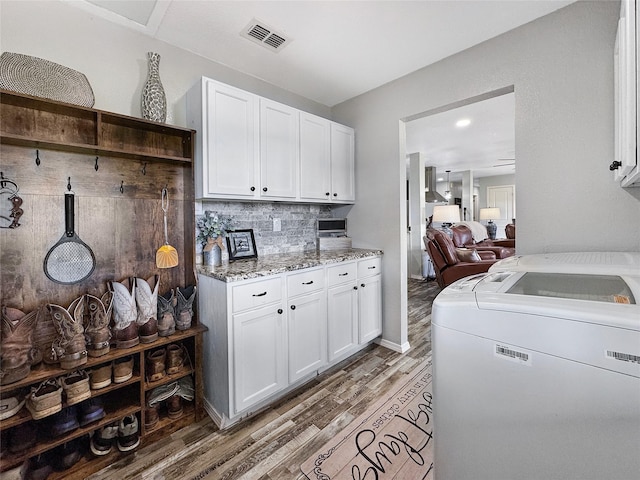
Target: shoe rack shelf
[[118, 167]]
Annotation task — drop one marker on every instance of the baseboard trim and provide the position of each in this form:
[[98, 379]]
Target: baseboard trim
[[395, 346], [218, 419]]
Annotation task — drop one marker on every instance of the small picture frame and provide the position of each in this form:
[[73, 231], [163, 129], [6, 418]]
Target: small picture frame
[[241, 244]]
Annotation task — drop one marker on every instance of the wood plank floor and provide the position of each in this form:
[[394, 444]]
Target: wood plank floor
[[272, 444]]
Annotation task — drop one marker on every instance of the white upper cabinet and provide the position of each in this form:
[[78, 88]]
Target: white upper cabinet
[[625, 165], [227, 143], [252, 148], [278, 150], [315, 157], [342, 164]]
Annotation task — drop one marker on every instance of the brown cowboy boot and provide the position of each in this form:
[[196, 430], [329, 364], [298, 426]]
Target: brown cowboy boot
[[125, 329], [16, 346], [43, 336], [95, 315], [166, 314], [147, 303], [69, 346], [184, 307]]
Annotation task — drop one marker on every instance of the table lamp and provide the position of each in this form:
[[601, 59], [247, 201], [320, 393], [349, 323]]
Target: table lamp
[[490, 214], [447, 215]]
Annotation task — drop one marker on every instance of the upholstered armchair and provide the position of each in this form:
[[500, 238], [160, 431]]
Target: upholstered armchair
[[450, 263], [463, 238]]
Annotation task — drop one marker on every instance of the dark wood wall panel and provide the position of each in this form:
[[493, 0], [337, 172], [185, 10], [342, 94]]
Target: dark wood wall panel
[[124, 230]]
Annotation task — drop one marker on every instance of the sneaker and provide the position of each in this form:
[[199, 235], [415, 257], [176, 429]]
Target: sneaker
[[22, 437], [151, 416], [62, 422], [102, 439], [128, 433], [76, 387], [90, 411], [100, 376], [122, 369], [174, 406], [45, 399], [37, 468], [12, 405], [68, 454]]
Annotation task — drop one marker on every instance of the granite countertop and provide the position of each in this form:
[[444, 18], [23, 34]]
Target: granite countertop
[[281, 263]]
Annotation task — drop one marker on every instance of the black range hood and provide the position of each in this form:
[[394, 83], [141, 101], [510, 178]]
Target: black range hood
[[430, 193]]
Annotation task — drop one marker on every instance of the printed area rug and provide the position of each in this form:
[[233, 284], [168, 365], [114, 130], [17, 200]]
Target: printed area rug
[[393, 439]]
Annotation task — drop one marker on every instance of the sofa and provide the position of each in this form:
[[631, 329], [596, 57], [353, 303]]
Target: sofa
[[451, 263], [463, 238]]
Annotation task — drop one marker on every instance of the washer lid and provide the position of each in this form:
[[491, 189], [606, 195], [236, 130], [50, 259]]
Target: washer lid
[[606, 263]]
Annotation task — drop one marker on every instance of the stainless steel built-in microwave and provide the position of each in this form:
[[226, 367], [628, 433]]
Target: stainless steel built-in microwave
[[331, 225]]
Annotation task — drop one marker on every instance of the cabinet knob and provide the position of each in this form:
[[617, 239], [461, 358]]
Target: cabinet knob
[[362, 285], [264, 189], [335, 194], [355, 287], [293, 307], [327, 194], [615, 165], [280, 311], [253, 189]]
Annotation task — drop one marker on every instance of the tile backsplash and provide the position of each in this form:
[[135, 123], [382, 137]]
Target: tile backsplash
[[298, 223]]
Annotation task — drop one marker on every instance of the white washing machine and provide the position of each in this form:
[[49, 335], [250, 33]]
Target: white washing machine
[[536, 374]]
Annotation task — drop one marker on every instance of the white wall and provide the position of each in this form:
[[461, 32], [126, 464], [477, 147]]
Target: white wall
[[114, 59], [561, 67]]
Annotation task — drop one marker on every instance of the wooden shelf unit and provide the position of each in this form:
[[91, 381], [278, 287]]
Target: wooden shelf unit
[[123, 226]]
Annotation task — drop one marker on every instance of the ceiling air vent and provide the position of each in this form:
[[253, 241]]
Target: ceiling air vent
[[258, 32]]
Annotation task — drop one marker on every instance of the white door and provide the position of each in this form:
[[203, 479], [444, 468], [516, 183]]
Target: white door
[[278, 150], [315, 157], [503, 197], [343, 319], [259, 355], [370, 307], [307, 319], [229, 165], [342, 163]]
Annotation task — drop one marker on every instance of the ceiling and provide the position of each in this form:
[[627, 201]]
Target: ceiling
[[336, 50], [486, 145]]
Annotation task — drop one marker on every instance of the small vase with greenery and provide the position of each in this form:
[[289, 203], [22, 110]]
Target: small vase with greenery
[[212, 229]]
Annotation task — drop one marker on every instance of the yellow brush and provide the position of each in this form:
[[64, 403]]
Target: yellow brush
[[166, 256]]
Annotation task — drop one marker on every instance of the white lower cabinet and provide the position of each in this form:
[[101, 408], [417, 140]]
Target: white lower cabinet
[[267, 335], [343, 319], [259, 355]]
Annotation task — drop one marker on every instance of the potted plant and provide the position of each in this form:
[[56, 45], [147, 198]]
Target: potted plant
[[212, 229]]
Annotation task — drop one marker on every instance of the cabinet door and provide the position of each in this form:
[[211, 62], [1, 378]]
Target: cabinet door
[[342, 164], [307, 320], [370, 307], [230, 159], [343, 319], [278, 150], [315, 157], [259, 355], [625, 90]]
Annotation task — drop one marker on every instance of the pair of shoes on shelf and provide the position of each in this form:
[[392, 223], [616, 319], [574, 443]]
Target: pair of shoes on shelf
[[166, 361], [121, 368], [135, 310], [125, 433], [22, 437], [175, 310], [173, 393], [74, 416], [61, 458]]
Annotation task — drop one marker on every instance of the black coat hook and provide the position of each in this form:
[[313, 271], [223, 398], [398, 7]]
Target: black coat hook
[[122, 186], [96, 165], [38, 158], [144, 168], [69, 183]]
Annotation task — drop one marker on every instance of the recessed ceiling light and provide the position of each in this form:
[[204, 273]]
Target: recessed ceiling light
[[465, 122]]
